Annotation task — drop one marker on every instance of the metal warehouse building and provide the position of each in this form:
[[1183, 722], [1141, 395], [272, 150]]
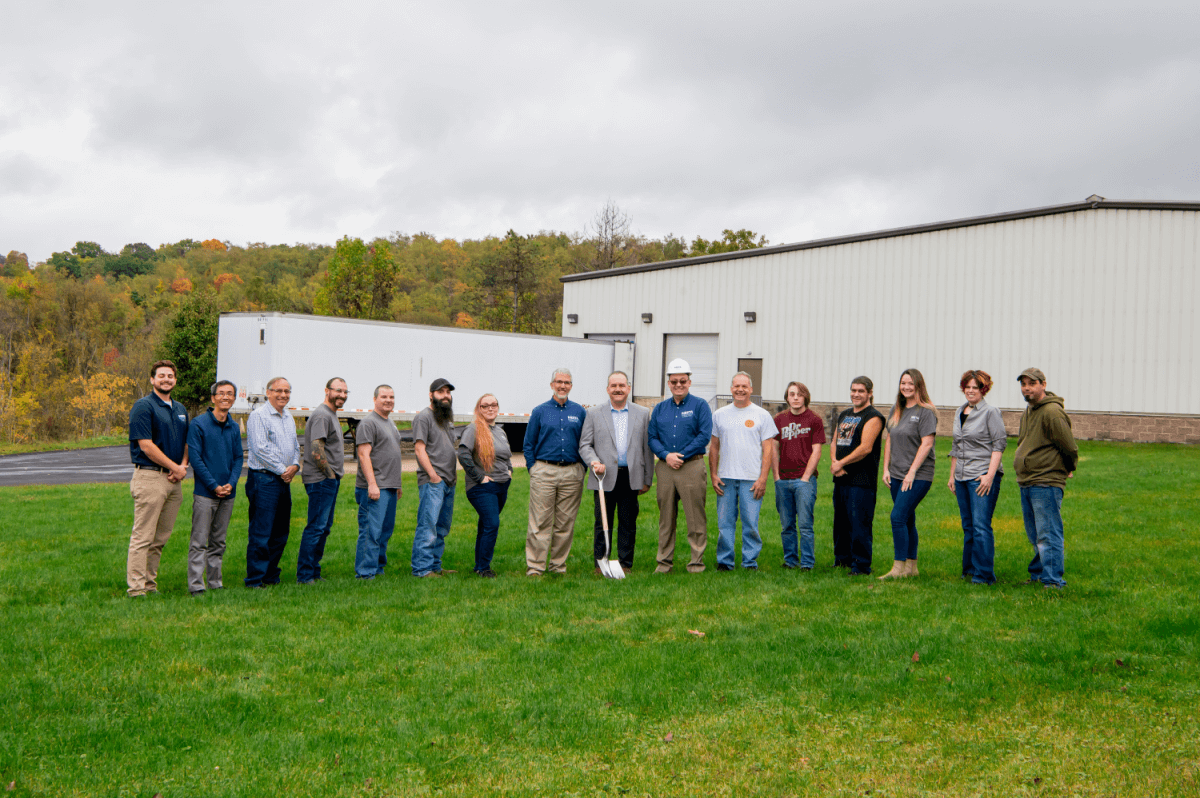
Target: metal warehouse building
[[1101, 295]]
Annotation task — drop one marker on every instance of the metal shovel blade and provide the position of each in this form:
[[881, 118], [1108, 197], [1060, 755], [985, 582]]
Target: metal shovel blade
[[610, 568]]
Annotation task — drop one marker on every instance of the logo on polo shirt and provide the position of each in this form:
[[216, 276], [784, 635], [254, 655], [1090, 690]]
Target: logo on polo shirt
[[686, 413], [749, 423], [183, 417], [574, 419]]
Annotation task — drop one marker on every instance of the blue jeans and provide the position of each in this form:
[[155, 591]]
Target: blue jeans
[[322, 497], [488, 499], [738, 499], [435, 513], [376, 522], [904, 517], [1042, 507], [853, 517], [795, 497], [979, 544], [270, 517]]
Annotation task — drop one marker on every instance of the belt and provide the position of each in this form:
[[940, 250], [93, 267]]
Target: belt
[[693, 457], [556, 463], [262, 471], [159, 469]]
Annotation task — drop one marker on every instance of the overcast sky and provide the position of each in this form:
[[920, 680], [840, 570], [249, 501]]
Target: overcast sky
[[303, 122]]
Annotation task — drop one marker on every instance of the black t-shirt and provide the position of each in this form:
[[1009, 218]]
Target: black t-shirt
[[847, 436]]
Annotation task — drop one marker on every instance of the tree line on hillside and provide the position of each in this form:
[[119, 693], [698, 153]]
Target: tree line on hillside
[[79, 331]]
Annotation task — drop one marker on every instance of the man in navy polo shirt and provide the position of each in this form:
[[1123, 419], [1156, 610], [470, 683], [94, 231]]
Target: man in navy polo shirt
[[555, 477], [158, 428], [680, 428]]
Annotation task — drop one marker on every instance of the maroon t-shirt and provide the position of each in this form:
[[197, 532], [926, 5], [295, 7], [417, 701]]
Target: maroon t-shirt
[[796, 437]]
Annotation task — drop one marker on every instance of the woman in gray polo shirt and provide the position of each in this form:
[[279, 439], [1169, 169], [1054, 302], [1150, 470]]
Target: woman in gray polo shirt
[[975, 474], [908, 463]]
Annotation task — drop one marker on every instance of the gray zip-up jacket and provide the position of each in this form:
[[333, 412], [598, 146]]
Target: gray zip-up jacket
[[975, 441]]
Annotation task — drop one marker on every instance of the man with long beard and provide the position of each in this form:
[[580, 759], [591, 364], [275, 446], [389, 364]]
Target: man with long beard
[[321, 470], [433, 434]]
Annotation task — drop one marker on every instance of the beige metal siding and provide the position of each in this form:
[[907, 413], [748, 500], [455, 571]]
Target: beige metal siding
[[1103, 300]]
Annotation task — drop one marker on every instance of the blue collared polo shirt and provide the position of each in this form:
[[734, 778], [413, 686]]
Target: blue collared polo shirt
[[685, 427], [553, 432], [165, 424]]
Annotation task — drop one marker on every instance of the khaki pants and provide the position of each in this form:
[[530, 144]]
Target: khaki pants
[[156, 502], [554, 496], [688, 485]]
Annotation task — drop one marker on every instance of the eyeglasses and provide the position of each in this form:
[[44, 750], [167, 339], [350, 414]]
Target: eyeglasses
[[288, 391], [336, 392], [684, 381], [490, 406]]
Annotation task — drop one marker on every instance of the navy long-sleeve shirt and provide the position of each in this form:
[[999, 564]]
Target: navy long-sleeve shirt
[[553, 433], [215, 451], [685, 427]]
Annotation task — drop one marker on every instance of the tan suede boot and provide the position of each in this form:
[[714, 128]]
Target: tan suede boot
[[898, 570], [911, 569]]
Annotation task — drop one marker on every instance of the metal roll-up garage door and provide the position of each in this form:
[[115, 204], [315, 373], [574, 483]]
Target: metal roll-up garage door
[[700, 351]]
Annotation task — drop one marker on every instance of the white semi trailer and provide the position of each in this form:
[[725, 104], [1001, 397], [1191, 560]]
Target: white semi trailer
[[309, 350]]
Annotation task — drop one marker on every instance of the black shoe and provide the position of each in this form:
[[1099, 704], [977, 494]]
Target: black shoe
[[859, 573], [805, 567], [721, 567], [196, 593], [787, 567], [487, 573]]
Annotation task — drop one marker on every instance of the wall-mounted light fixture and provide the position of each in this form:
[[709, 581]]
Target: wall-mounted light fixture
[[647, 318], [572, 318], [751, 315]]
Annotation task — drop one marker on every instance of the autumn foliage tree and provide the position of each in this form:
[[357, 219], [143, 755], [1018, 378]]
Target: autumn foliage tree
[[359, 280], [191, 344]]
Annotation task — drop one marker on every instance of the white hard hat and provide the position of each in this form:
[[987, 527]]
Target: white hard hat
[[679, 366]]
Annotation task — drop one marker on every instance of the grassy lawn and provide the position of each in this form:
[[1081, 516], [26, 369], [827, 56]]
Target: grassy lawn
[[59, 446], [803, 683]]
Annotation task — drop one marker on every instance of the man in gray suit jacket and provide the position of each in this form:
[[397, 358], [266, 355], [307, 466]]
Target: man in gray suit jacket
[[615, 442]]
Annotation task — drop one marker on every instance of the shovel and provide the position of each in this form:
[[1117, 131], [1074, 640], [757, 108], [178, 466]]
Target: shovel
[[610, 568]]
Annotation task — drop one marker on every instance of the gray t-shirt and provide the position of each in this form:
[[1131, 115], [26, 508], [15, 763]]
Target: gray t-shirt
[[914, 423], [501, 465], [323, 426], [742, 431], [385, 451], [439, 446]]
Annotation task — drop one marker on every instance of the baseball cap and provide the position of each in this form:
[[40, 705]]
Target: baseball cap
[[440, 383], [1033, 374]]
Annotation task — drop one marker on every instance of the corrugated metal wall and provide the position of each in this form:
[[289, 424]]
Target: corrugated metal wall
[[1103, 300]]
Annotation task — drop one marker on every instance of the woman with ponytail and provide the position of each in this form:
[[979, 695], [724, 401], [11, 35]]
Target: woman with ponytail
[[486, 458]]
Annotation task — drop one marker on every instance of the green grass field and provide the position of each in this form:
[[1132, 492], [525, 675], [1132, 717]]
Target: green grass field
[[803, 683]]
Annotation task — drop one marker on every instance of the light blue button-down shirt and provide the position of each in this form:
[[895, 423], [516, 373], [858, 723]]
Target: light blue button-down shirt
[[271, 435], [620, 419]]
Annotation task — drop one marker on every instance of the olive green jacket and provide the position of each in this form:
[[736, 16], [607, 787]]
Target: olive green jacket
[[1046, 450]]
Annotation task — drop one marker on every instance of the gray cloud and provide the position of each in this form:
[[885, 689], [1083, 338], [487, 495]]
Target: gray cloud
[[295, 122]]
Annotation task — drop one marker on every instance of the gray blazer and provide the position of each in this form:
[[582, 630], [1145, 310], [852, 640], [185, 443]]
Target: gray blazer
[[598, 442]]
